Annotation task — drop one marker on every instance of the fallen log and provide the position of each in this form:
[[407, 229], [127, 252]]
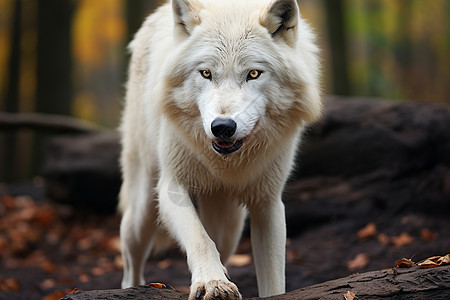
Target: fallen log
[[396, 283], [46, 123], [84, 171]]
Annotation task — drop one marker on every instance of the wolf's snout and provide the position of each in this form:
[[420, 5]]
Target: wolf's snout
[[223, 129]]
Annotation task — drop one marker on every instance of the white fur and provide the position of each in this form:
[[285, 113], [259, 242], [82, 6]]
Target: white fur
[[170, 169]]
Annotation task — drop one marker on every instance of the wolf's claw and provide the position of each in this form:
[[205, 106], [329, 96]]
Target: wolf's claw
[[199, 293], [214, 290]]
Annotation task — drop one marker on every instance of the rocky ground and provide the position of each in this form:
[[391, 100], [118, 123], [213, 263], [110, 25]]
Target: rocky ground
[[372, 187]]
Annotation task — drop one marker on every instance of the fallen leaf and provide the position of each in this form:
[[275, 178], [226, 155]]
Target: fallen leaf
[[360, 261], [240, 260], [32, 230], [349, 295], [428, 235], [84, 278], [164, 264], [9, 285], [114, 243], [97, 271], [45, 216], [367, 232], [47, 284], [383, 239], [434, 258], [402, 240], [48, 267], [85, 243], [404, 263], [428, 263], [158, 285], [444, 260], [435, 261], [161, 285]]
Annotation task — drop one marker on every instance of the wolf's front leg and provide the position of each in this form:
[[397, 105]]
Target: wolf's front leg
[[179, 215], [268, 236], [138, 223]]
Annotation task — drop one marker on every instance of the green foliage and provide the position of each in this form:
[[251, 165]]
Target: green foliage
[[399, 48]]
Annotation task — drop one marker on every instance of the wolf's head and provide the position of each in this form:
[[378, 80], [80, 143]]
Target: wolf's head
[[242, 73]]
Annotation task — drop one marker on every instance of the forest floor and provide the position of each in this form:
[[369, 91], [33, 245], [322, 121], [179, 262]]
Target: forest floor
[[47, 249]]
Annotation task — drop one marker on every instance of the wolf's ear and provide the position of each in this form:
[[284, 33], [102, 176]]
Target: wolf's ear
[[185, 13], [281, 20]]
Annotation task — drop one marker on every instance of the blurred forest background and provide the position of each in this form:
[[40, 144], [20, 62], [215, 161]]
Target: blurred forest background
[[68, 57]]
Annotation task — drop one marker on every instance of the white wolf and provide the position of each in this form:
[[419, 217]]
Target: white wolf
[[217, 96]]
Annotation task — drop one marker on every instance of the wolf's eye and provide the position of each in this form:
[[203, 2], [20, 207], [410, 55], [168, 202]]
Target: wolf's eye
[[206, 74], [253, 74]]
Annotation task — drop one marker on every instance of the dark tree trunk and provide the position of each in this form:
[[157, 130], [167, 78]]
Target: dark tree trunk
[[337, 37], [54, 57], [9, 140], [12, 91], [54, 90]]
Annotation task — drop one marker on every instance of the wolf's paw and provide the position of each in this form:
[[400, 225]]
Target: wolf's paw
[[214, 289]]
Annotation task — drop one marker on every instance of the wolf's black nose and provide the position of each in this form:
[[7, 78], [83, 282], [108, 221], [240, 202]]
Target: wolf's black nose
[[223, 128]]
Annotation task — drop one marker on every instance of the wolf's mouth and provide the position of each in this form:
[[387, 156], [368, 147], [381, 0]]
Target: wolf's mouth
[[227, 147]]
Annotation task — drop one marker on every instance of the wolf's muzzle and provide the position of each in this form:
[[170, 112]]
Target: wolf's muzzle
[[224, 130]]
